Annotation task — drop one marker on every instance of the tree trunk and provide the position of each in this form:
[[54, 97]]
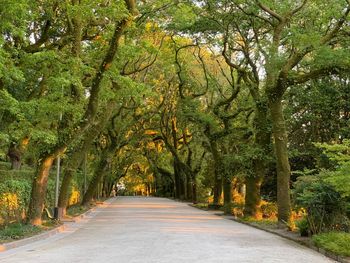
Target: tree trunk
[[180, 191], [39, 187], [177, 180], [64, 190], [15, 155], [217, 174], [69, 173], [262, 141], [94, 184], [283, 167], [227, 194], [252, 197], [16, 164], [188, 187], [194, 190], [217, 188]]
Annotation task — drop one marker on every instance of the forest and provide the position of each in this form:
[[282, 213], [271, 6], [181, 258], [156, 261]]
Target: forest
[[239, 105]]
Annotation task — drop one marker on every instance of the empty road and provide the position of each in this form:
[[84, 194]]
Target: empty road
[[139, 229]]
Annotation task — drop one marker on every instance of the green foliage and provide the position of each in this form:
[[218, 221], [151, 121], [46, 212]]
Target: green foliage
[[339, 176], [313, 116], [303, 226], [17, 231], [339, 152], [183, 17], [326, 208], [15, 189], [339, 179], [14, 199], [269, 210], [335, 242], [13, 17]]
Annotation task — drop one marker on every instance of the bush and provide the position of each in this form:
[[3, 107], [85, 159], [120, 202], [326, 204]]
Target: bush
[[326, 208], [14, 200], [303, 226], [268, 210], [336, 242], [15, 190]]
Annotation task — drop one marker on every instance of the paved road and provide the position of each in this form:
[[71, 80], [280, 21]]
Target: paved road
[[135, 229]]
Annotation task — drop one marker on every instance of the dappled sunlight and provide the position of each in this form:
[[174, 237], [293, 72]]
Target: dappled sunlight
[[170, 220], [216, 231], [159, 217], [148, 205]]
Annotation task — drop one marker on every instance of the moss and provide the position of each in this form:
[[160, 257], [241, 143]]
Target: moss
[[335, 242]]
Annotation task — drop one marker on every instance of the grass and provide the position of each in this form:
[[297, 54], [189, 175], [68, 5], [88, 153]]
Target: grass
[[269, 223], [18, 231], [76, 210], [335, 242], [201, 206]]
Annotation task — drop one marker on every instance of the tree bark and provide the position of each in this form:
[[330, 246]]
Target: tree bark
[[99, 173], [69, 173], [227, 193], [194, 190], [39, 187], [177, 180], [217, 173], [78, 153], [262, 141], [283, 166], [188, 187], [179, 176], [252, 197], [15, 155]]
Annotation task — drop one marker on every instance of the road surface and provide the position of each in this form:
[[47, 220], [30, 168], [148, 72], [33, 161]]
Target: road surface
[[150, 230]]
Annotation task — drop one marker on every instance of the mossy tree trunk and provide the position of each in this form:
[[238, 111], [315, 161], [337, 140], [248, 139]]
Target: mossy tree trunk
[[283, 166], [227, 189], [39, 187], [262, 141], [77, 155], [99, 173], [217, 191]]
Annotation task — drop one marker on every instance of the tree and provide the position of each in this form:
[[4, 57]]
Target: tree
[[48, 156], [274, 47]]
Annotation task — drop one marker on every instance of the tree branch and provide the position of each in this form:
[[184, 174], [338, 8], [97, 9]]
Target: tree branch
[[269, 11]]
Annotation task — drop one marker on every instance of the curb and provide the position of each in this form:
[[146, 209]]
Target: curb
[[306, 243], [28, 240], [49, 233]]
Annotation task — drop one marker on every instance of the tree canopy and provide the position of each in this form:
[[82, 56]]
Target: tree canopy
[[226, 102]]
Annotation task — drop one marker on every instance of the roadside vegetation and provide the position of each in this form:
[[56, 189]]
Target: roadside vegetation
[[338, 243]]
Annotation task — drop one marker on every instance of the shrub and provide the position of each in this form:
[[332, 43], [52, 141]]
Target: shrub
[[268, 210], [326, 208], [336, 242], [303, 226], [14, 199]]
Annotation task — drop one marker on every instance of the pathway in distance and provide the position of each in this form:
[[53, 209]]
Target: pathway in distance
[[152, 230]]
